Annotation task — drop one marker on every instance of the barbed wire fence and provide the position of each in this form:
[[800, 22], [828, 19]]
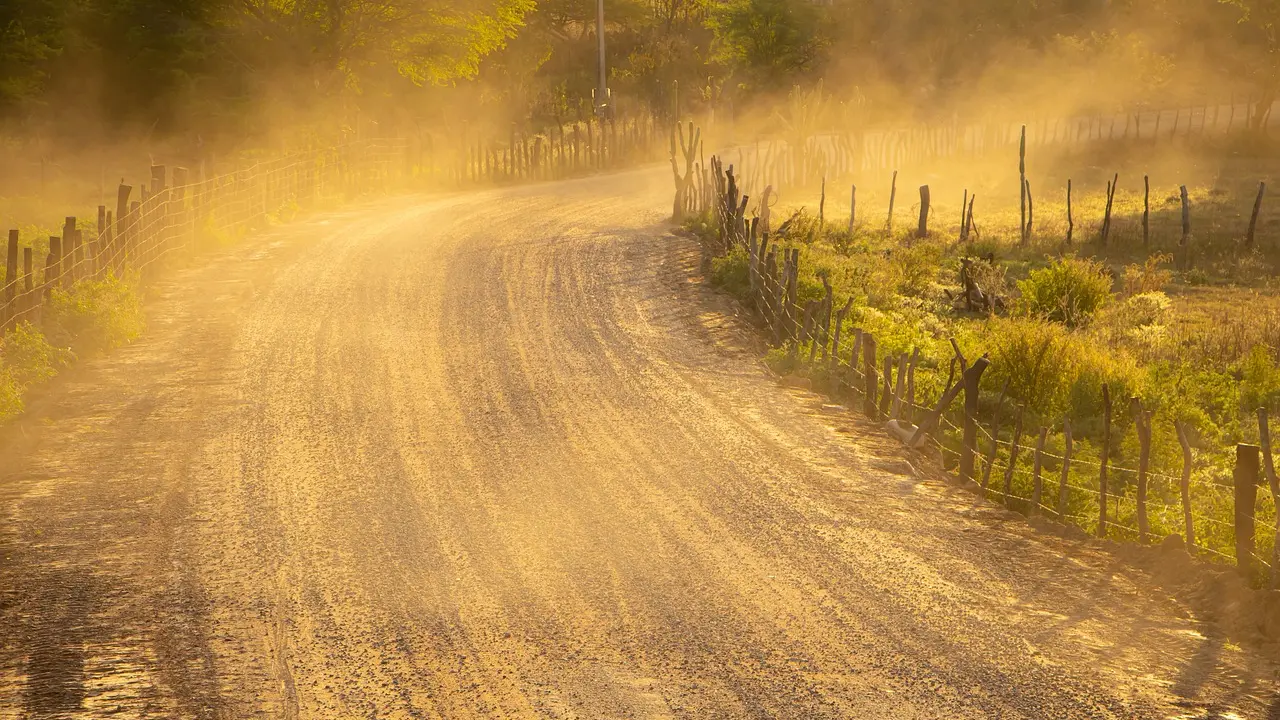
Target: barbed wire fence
[[1012, 466], [175, 211], [835, 152], [567, 149]]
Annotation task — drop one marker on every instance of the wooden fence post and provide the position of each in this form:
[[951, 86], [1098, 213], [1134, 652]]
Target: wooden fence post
[[899, 389], [1013, 456], [968, 220], [1185, 485], [121, 236], [1102, 461], [1269, 468], [1106, 220], [1142, 422], [1186, 215], [1031, 212], [1022, 185], [853, 206], [969, 379], [11, 268], [1071, 225], [1253, 219], [1245, 479], [99, 242], [1037, 487], [1146, 211], [835, 340], [995, 437], [910, 412], [28, 279], [886, 392], [893, 193], [869, 368], [1064, 478], [66, 265], [853, 356], [822, 205], [922, 229], [52, 266]]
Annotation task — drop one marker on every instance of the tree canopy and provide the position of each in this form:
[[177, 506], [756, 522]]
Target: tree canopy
[[243, 66]]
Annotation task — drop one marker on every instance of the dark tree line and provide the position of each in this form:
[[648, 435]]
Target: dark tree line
[[83, 68]]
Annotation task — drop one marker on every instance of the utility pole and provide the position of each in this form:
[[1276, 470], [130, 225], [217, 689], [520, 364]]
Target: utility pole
[[602, 89]]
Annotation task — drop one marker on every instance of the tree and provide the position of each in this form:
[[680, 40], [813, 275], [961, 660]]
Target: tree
[[767, 42], [31, 36], [1260, 31]]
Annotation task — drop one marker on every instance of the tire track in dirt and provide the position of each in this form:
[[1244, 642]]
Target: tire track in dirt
[[500, 455]]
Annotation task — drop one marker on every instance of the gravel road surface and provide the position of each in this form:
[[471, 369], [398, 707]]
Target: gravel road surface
[[501, 454]]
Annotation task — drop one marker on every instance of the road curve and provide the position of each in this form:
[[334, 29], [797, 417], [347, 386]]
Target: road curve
[[501, 455]]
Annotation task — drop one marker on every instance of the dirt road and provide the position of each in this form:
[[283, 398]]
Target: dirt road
[[500, 455]]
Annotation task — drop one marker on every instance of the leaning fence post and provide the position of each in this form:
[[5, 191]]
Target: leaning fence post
[[1269, 468], [1253, 219], [1245, 479], [1102, 461], [1106, 220]]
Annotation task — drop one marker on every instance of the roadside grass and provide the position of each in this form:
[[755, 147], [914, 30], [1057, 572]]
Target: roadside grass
[[91, 317], [1197, 342]]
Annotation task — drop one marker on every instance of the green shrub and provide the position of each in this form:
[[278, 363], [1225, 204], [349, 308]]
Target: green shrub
[[915, 268], [731, 273], [95, 315], [1068, 291], [1149, 308], [10, 394], [1259, 380], [1148, 277], [1055, 371], [28, 358]]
